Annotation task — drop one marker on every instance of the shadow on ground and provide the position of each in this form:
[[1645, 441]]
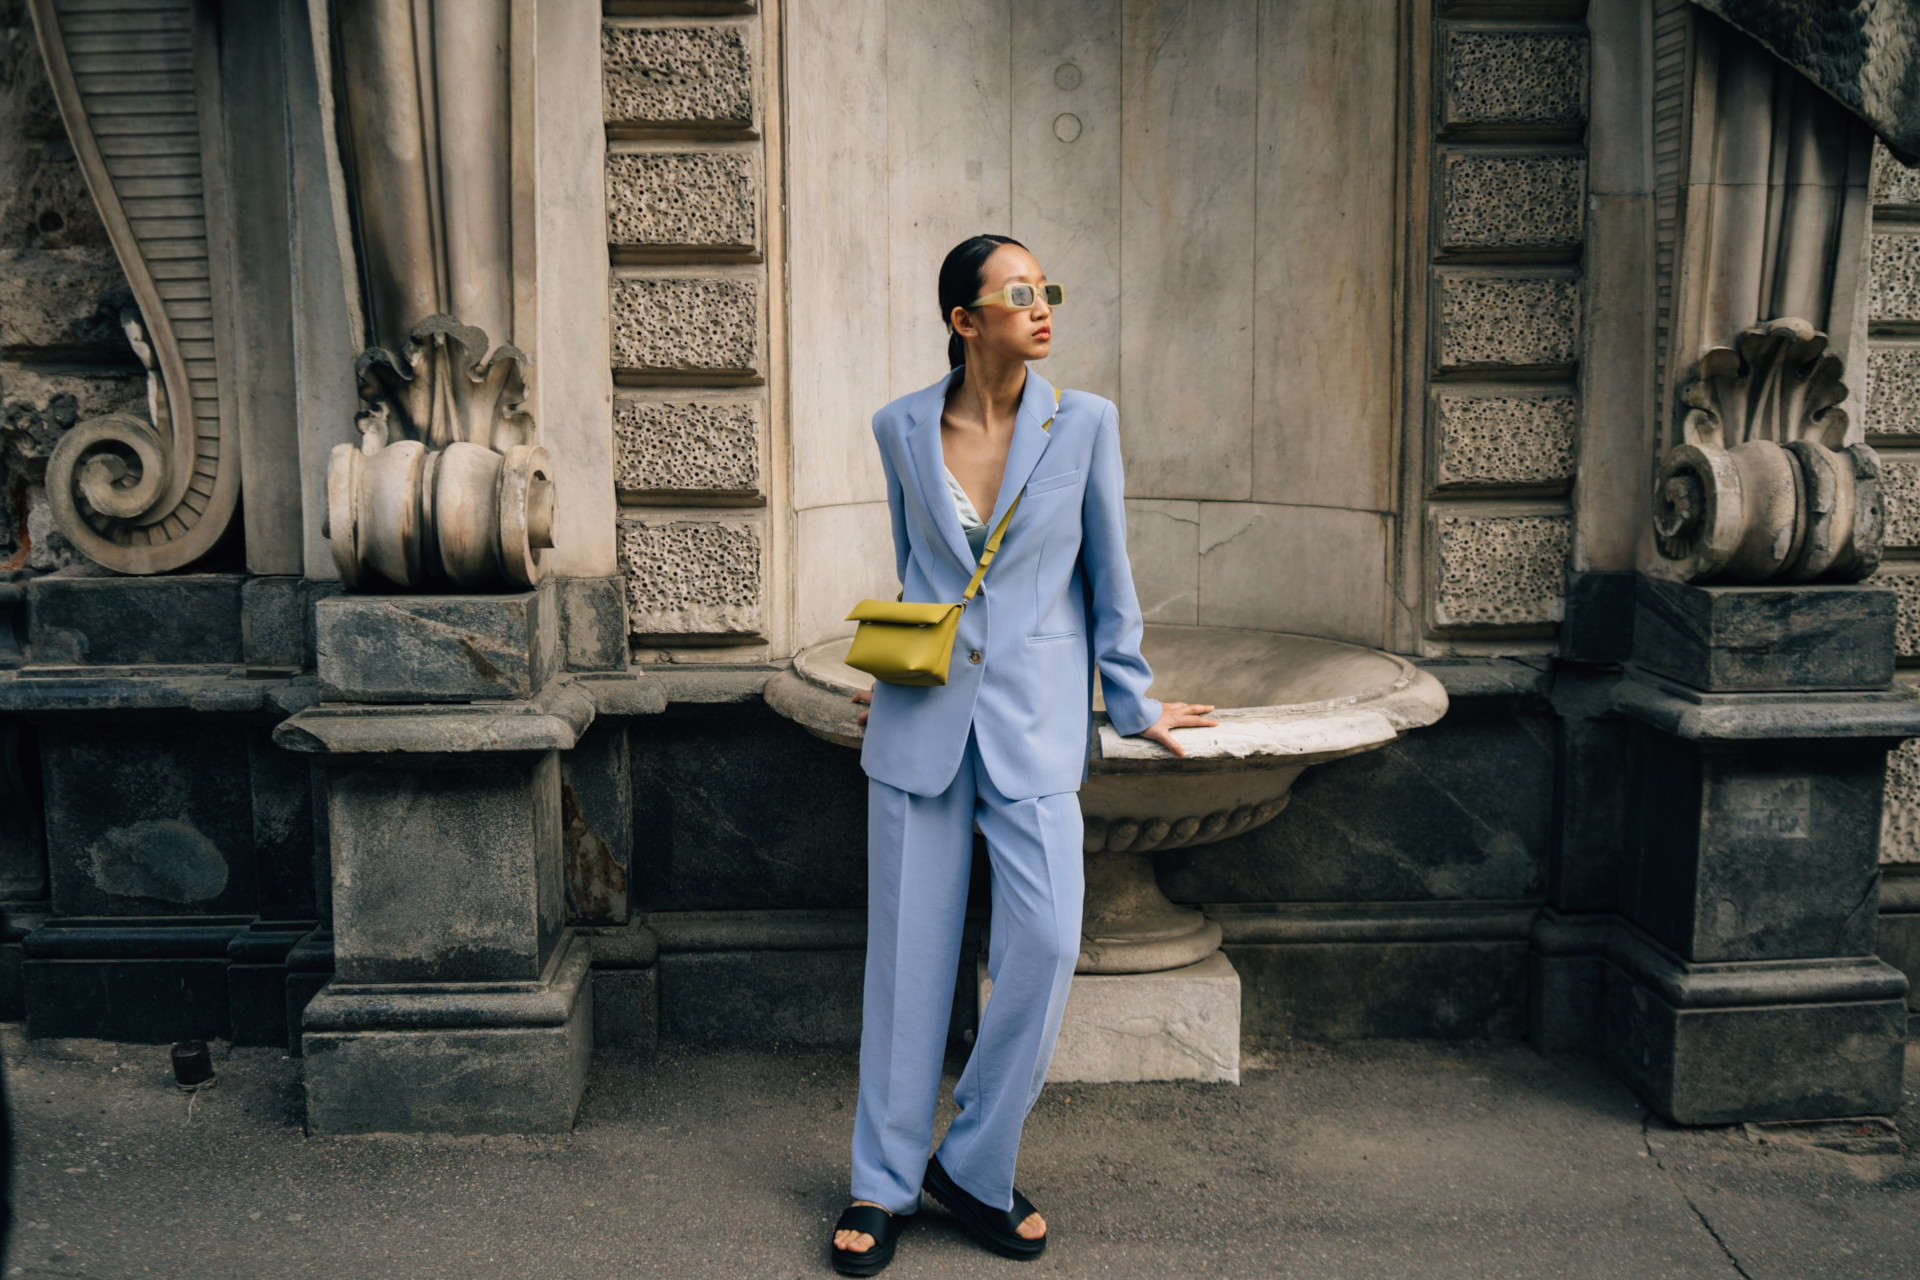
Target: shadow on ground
[[1377, 1159]]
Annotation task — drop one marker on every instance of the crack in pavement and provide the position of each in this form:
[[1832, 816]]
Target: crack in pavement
[[1732, 1259]]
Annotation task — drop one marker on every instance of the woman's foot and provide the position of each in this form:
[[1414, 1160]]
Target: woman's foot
[[860, 1241], [1032, 1227]]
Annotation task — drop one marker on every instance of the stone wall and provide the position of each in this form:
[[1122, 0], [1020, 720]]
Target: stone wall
[[63, 355], [1508, 175], [687, 234]]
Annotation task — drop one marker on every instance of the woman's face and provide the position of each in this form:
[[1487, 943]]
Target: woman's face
[[1001, 330]]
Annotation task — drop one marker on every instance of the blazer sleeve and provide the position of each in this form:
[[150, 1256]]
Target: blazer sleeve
[[1124, 674], [896, 507]]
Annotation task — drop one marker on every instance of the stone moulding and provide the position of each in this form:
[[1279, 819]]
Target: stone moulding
[[138, 91], [1762, 486]]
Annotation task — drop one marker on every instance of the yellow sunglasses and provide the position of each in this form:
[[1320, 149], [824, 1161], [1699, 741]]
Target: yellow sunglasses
[[1021, 296]]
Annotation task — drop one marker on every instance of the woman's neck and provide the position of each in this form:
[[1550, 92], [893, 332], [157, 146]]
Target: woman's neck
[[992, 389]]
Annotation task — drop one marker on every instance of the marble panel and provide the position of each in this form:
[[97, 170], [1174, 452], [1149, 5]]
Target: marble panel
[[704, 199], [1496, 201], [948, 78], [1187, 237], [1526, 321], [1514, 78], [1066, 117], [663, 76], [686, 446], [1900, 486], [1323, 321], [1893, 267], [1893, 389], [1900, 810], [1163, 549], [842, 555], [1313, 570], [687, 325], [837, 216], [1616, 428], [692, 577], [1504, 440], [1499, 570], [573, 389]]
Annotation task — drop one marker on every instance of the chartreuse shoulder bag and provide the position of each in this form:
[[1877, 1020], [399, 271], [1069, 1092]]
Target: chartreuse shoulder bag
[[907, 642]]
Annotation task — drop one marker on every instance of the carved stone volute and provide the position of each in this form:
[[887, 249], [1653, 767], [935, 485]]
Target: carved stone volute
[[1762, 487]]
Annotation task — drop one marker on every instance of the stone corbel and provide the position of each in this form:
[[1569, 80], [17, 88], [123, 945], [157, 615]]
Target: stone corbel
[[462, 494], [1762, 486]]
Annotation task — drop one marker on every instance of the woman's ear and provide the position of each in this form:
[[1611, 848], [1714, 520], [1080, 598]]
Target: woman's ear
[[963, 322]]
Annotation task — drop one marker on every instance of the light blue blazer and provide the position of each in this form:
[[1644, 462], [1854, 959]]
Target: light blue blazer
[[1057, 599]]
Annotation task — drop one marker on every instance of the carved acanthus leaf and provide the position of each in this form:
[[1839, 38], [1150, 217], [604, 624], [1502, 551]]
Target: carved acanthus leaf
[[1776, 382], [446, 388]]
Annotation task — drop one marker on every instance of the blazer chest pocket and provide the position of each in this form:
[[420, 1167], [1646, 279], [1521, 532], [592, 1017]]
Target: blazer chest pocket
[[1046, 484]]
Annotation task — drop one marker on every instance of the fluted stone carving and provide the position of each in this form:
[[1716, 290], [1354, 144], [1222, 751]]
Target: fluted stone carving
[[447, 482], [141, 105]]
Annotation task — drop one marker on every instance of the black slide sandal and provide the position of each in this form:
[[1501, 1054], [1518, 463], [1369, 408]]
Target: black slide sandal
[[992, 1227], [884, 1227]]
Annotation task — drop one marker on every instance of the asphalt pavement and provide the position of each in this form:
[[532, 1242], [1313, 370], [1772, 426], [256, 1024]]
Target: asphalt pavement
[[1375, 1159]]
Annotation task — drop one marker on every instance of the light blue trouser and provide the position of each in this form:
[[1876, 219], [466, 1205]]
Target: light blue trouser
[[919, 854]]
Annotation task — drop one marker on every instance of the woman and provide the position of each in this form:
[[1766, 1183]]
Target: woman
[[1003, 743]]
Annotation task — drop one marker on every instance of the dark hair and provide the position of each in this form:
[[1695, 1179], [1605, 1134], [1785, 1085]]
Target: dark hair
[[961, 279]]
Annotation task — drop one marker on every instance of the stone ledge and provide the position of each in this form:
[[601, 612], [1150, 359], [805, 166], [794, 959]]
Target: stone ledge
[[552, 722], [1281, 923], [1751, 717], [547, 1002]]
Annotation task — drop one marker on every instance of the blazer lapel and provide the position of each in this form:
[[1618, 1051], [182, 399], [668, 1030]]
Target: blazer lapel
[[1029, 442], [930, 468]]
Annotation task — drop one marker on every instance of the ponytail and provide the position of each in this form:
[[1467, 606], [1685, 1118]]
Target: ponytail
[[961, 279]]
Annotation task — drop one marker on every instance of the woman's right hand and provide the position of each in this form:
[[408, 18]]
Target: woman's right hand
[[864, 697]]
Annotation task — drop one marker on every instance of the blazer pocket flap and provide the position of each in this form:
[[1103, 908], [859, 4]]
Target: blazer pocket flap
[[906, 613], [1047, 483]]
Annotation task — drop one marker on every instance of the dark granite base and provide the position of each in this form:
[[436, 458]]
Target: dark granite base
[[138, 1001], [1354, 991], [1725, 1065], [626, 1010], [1899, 945], [801, 997], [1748, 639]]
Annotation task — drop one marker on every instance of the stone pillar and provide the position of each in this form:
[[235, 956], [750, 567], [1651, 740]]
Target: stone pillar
[[460, 1000], [1741, 982]]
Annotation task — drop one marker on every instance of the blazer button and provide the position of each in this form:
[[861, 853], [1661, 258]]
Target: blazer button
[[974, 657]]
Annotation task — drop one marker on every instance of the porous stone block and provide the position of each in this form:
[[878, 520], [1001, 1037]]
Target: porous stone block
[[436, 648], [1512, 202], [1508, 321], [1178, 1024], [62, 304], [504, 1078], [1732, 1064], [1893, 389], [1893, 182], [593, 623], [1900, 488], [446, 874], [668, 76], [1749, 639], [1505, 440], [192, 618], [1514, 78], [692, 577], [148, 818], [680, 326], [1893, 267], [700, 199], [1900, 811], [1499, 571], [686, 447]]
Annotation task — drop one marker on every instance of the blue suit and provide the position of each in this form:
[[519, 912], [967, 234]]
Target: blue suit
[[1003, 744]]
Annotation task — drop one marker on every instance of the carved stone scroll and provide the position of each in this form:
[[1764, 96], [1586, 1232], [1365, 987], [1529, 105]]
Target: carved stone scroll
[[138, 90], [1762, 487]]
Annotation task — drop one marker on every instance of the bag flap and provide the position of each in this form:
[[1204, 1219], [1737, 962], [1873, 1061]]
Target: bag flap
[[901, 612]]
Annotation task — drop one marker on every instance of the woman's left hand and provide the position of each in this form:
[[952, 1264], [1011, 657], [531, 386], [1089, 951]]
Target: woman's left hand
[[1178, 715], [864, 697]]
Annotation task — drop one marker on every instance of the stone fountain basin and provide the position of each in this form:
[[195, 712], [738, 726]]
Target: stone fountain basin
[[1284, 703]]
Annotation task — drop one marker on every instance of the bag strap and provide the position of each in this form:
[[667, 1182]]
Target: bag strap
[[993, 543]]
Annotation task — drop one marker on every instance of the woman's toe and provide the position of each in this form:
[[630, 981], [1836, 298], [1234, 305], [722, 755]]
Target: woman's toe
[[1033, 1228], [852, 1241]]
